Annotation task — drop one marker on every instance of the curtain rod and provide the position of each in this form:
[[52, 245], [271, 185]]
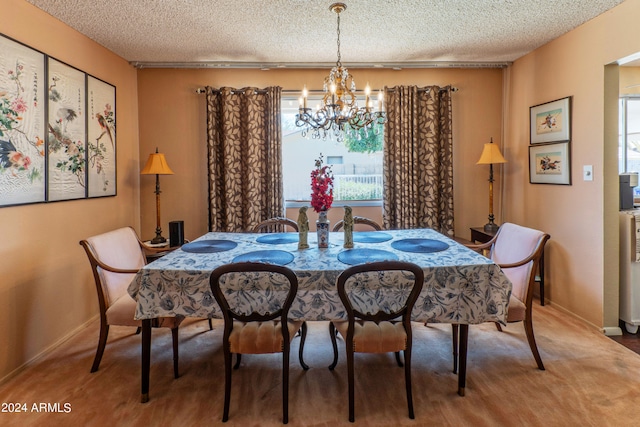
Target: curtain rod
[[292, 91]]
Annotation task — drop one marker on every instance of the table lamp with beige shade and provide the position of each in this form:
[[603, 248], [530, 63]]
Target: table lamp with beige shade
[[491, 155], [157, 165]]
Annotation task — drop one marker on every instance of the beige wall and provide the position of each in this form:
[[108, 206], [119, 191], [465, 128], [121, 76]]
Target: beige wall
[[46, 291], [172, 117], [581, 218]]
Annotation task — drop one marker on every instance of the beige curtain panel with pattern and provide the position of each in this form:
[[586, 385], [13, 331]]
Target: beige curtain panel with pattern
[[244, 139], [418, 159]]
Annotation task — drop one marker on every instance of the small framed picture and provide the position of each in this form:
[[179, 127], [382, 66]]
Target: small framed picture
[[550, 164], [551, 122]]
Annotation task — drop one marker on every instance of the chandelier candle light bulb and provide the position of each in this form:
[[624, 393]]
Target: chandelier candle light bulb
[[367, 102]]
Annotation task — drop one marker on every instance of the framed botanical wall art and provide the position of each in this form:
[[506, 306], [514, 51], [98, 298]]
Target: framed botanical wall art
[[101, 140], [550, 164], [551, 122], [67, 136], [22, 124]]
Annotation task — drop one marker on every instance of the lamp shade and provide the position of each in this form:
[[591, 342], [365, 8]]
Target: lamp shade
[[156, 165], [491, 155]]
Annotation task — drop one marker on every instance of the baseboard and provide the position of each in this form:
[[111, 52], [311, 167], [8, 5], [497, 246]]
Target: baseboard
[[608, 331], [47, 350], [612, 331]]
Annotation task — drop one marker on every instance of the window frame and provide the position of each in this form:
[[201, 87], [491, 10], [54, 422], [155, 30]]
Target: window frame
[[290, 101]]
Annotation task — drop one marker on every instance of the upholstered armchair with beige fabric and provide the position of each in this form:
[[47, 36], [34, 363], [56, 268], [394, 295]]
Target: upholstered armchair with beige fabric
[[517, 250], [115, 257]]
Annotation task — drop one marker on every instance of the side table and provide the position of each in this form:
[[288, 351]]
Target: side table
[[152, 256], [478, 234]]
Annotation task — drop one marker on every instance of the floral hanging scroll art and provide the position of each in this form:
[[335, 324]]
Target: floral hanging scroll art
[[67, 132], [22, 121], [101, 142]]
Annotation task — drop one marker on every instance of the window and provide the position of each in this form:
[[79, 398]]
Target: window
[[629, 137], [356, 162]]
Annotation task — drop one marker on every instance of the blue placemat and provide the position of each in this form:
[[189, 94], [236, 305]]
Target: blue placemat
[[209, 246], [278, 238], [419, 245], [272, 257], [371, 236], [362, 255]]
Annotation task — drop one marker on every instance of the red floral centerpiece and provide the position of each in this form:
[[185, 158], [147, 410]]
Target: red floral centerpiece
[[321, 186], [321, 199]]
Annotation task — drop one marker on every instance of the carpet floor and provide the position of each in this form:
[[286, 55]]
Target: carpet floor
[[590, 380]]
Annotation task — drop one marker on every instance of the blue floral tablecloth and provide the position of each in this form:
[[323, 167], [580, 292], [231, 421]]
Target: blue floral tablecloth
[[460, 285]]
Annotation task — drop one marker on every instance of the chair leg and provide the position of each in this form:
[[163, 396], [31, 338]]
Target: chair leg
[[350, 376], [332, 334], [303, 337], [138, 330], [227, 384], [498, 327], [398, 360], [407, 380], [528, 328], [210, 325], [102, 342], [174, 336], [285, 384], [238, 357], [454, 335]]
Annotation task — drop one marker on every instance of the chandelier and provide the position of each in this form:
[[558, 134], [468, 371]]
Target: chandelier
[[339, 110]]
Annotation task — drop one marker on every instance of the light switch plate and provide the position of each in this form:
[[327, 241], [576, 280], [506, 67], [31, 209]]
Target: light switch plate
[[587, 172]]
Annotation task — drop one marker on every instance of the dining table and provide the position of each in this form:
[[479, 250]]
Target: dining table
[[461, 286]]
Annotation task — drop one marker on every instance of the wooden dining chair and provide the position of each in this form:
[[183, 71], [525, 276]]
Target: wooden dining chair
[[388, 329], [275, 225], [358, 220], [517, 250], [259, 331], [115, 257]]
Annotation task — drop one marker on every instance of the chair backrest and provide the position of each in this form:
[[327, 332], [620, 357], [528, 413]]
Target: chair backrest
[[389, 296], [273, 225], [118, 249], [250, 276], [358, 220], [514, 244]]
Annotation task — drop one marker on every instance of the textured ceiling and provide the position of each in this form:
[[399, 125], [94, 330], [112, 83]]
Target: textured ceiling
[[299, 33]]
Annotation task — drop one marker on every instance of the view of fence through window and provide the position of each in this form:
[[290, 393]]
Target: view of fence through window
[[356, 163]]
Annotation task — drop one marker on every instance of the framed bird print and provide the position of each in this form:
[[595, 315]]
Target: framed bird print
[[551, 122], [101, 140], [66, 143], [22, 124]]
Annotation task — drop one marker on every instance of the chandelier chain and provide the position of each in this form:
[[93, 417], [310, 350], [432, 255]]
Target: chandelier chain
[[339, 62]]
